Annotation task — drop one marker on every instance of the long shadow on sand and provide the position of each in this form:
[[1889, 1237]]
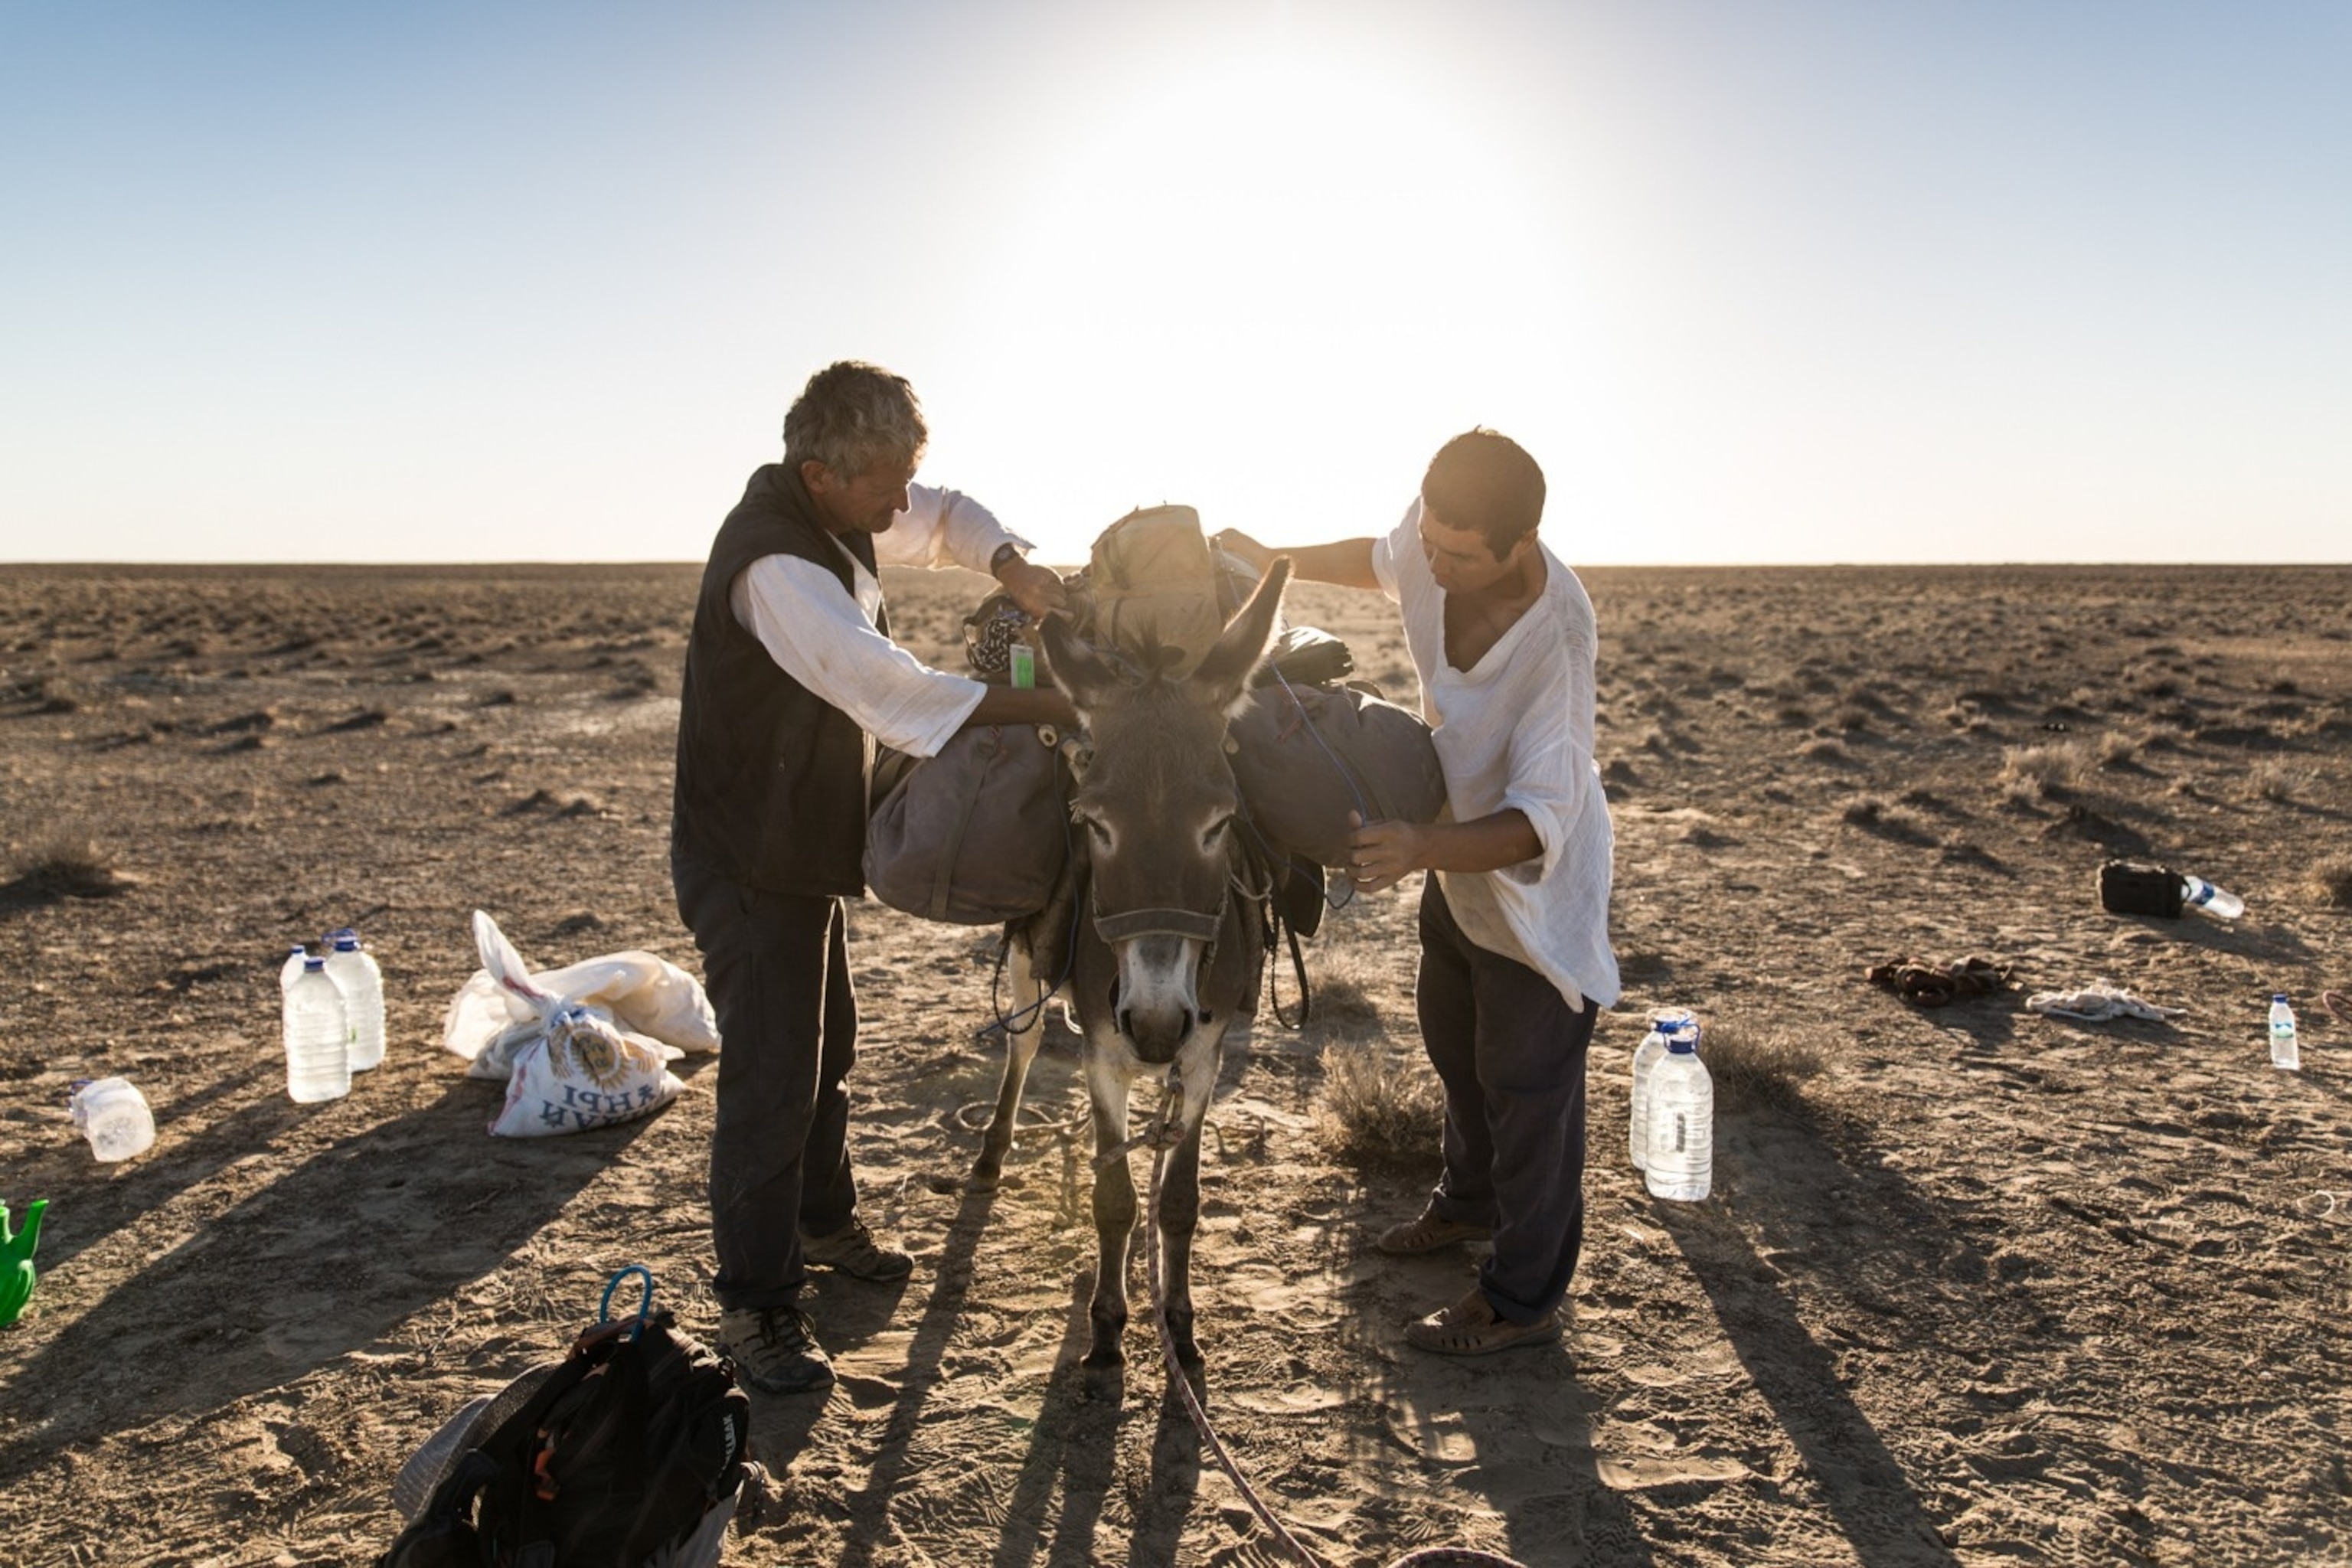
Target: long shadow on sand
[[1888, 1236], [324, 1261], [1076, 1442], [894, 1447]]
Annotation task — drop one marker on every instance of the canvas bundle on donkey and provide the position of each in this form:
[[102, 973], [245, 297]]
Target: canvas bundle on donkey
[[976, 835], [1307, 756], [1151, 581]]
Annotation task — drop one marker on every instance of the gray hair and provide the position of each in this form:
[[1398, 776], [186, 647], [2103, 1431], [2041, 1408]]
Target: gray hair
[[852, 414]]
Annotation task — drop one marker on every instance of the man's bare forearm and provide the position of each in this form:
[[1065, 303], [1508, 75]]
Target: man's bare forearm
[[1347, 561]]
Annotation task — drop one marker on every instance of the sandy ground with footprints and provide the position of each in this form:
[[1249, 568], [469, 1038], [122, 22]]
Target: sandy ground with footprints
[[1986, 1288]]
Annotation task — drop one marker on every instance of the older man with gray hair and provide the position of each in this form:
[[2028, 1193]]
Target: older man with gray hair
[[790, 678]]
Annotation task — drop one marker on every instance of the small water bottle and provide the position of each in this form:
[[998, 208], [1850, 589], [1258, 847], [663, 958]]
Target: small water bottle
[[1680, 1163], [1021, 660], [318, 1037], [2197, 893], [356, 976], [113, 1115], [1646, 1056], [2286, 1053]]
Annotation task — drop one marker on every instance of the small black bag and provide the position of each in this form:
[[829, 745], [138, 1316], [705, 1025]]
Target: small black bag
[[2133, 887], [634, 1448]]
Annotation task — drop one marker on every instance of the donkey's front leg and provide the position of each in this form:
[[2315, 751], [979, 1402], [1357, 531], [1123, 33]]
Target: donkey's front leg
[[1114, 1205], [1180, 1214], [1180, 1193], [1027, 996]]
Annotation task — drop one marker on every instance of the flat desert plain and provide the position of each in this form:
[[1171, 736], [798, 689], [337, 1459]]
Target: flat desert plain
[[1977, 1285]]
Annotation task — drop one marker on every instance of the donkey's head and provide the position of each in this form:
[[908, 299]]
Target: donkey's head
[[1157, 805]]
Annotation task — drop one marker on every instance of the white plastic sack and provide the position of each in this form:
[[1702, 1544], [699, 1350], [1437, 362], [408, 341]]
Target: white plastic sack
[[497, 1010], [579, 1072], [578, 1046]]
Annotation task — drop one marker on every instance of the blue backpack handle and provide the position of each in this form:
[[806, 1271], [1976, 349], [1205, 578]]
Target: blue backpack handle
[[645, 1303]]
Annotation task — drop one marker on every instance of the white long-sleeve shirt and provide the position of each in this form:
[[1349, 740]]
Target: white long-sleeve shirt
[[831, 642], [1515, 731]]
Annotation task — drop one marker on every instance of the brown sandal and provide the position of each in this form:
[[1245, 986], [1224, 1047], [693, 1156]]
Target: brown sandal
[[1472, 1327]]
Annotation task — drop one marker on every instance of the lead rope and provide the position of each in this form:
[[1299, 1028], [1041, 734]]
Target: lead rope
[[1157, 1135]]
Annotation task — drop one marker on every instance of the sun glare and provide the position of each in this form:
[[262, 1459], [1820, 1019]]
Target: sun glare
[[1275, 277]]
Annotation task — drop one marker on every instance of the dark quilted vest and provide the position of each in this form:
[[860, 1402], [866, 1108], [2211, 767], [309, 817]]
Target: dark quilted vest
[[772, 778]]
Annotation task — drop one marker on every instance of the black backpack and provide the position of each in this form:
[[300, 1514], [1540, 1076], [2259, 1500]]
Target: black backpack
[[633, 1449]]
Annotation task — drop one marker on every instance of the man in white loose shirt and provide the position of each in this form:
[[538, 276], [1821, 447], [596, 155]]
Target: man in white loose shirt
[[791, 679], [1515, 955]]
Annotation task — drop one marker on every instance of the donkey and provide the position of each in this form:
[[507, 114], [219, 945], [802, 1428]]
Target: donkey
[[1162, 954]]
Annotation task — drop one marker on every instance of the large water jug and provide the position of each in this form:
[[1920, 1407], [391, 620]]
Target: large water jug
[[1646, 1056], [318, 1037], [355, 974], [1681, 1166]]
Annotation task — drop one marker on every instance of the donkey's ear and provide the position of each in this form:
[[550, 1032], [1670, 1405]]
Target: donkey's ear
[[1084, 675], [1224, 672]]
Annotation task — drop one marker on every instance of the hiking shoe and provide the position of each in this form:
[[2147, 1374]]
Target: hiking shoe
[[1472, 1327], [1429, 1233], [775, 1350], [853, 1251]]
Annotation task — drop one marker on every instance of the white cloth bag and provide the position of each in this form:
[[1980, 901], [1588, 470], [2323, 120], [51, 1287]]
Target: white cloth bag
[[581, 1046]]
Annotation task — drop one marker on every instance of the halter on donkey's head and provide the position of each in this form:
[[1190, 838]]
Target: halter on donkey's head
[[1157, 798]]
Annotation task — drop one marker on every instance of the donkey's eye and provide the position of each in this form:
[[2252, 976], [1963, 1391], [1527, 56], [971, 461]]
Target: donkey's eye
[[1096, 828], [1218, 830]]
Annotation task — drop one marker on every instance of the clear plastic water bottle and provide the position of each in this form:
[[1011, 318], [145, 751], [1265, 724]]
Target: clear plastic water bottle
[[356, 976], [1680, 1163], [318, 1037], [1646, 1056], [2286, 1052], [291, 969], [113, 1115], [2197, 893]]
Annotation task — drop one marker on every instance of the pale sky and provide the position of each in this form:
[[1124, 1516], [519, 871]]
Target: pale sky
[[1755, 281]]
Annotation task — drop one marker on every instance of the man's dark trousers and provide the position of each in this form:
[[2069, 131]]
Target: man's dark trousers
[[1510, 1051], [776, 966]]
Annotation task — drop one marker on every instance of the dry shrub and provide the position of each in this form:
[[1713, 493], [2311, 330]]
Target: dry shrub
[[1380, 1106], [68, 868], [1876, 813], [2047, 770], [1338, 995], [2331, 881], [1825, 750], [2115, 749], [2278, 782], [1761, 1065]]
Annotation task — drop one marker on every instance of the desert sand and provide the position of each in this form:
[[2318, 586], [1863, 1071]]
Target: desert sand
[[1989, 1286]]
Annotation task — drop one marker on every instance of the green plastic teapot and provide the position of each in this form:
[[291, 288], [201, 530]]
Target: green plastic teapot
[[17, 1260]]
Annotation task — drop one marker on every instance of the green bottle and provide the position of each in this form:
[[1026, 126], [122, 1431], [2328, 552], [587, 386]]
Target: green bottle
[[17, 1260]]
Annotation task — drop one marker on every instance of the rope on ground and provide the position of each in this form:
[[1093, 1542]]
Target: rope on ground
[[1433, 1556]]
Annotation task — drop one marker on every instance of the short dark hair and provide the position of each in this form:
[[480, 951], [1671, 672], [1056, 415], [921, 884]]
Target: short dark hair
[[1485, 480], [852, 414]]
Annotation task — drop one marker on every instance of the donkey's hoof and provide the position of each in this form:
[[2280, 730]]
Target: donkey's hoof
[[1105, 1383]]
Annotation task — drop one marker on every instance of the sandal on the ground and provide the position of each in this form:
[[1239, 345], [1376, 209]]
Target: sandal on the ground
[[1429, 1233], [1472, 1327]]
